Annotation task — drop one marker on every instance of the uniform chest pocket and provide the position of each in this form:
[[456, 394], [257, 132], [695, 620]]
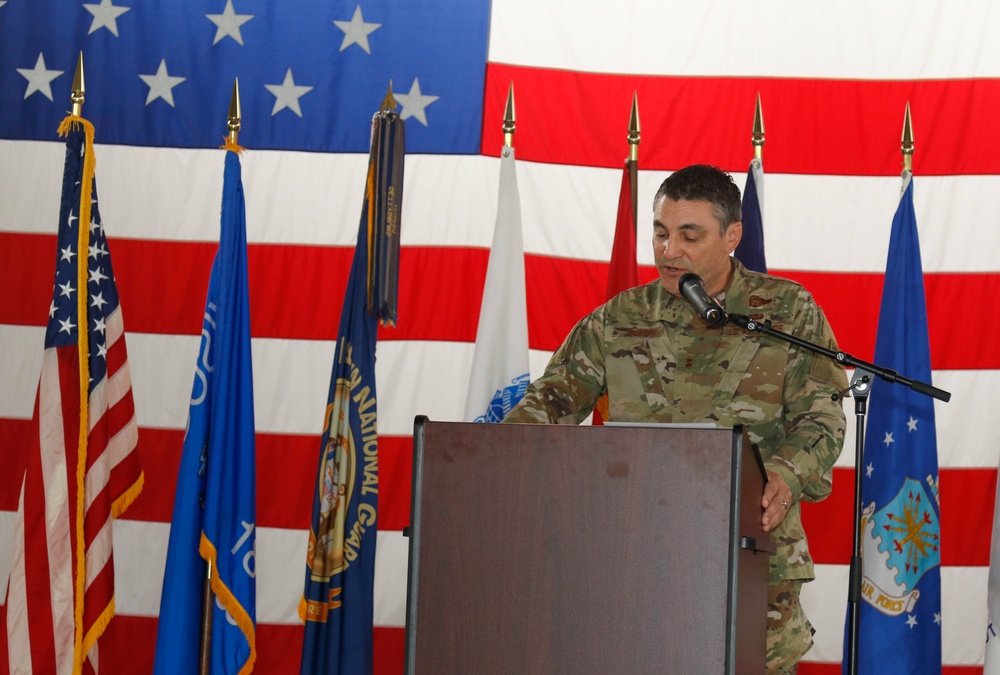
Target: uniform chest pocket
[[758, 398], [635, 386]]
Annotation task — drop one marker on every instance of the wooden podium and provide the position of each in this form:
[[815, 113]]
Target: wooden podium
[[580, 549]]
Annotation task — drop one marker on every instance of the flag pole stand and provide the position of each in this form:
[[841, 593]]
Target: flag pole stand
[[860, 386], [205, 645]]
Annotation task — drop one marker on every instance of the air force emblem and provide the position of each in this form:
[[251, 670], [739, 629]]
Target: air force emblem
[[901, 543]]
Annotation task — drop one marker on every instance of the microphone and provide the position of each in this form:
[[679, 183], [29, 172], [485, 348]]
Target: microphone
[[693, 289]]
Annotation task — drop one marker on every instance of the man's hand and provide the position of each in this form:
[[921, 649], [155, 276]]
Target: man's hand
[[776, 501]]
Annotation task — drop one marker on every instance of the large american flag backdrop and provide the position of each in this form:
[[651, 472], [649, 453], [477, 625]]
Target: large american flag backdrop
[[834, 79]]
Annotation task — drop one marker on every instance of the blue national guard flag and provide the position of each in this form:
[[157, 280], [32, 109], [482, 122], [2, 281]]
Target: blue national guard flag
[[900, 623], [215, 505], [340, 562], [750, 250]]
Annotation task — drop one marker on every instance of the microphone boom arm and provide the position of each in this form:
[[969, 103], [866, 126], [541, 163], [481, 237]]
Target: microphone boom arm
[[842, 358]]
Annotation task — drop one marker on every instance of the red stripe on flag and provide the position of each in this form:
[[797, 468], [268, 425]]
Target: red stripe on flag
[[129, 645], [807, 668], [286, 467], [560, 292], [966, 494], [686, 120]]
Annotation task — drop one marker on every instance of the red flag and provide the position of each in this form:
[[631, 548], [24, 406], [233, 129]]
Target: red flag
[[82, 468], [623, 272]]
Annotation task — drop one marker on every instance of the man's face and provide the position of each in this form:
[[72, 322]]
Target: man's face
[[687, 238]]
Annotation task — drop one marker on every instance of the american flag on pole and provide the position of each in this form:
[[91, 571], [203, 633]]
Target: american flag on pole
[[832, 155], [82, 467]]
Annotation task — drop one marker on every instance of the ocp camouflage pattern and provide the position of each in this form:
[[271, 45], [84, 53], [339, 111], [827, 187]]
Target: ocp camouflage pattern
[[661, 362]]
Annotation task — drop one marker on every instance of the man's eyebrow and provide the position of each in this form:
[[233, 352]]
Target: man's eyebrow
[[686, 226]]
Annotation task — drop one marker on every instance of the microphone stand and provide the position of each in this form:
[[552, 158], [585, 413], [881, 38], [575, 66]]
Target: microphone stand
[[861, 386]]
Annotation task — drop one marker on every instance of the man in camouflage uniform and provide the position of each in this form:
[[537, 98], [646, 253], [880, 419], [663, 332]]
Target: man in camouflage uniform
[[659, 361]]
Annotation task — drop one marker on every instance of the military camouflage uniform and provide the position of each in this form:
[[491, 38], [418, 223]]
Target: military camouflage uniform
[[660, 362]]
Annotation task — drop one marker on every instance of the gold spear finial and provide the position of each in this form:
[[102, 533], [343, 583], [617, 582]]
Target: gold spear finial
[[76, 98], [907, 144], [634, 130], [233, 123], [388, 103], [509, 118], [758, 131]]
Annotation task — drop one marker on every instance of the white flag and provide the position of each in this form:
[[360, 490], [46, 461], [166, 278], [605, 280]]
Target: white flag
[[992, 665], [500, 363]]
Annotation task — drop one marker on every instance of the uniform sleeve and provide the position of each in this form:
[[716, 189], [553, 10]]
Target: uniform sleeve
[[814, 421], [573, 380]]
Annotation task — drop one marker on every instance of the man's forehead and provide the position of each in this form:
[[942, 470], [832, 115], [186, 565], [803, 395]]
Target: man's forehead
[[683, 213]]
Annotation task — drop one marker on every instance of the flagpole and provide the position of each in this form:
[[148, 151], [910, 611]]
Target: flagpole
[[861, 387], [757, 138], [77, 95], [634, 136], [509, 118], [208, 597]]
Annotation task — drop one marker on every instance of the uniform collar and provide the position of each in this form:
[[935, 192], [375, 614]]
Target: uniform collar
[[676, 310]]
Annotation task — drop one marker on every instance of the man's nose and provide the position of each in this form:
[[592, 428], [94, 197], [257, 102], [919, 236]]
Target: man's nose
[[669, 248]]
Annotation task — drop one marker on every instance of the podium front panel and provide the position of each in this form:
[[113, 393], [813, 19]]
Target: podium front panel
[[565, 549]]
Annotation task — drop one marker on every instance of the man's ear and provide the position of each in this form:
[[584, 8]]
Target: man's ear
[[733, 235]]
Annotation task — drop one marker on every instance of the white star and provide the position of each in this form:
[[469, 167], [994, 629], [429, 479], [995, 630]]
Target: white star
[[356, 31], [3, 2], [67, 254], [415, 102], [869, 469], [287, 94], [937, 618], [96, 276], [67, 288], [911, 621], [228, 23], [52, 309], [102, 351], [67, 325], [105, 16], [69, 221], [94, 251], [99, 325], [161, 85], [94, 225], [888, 439], [912, 424], [98, 301], [39, 79]]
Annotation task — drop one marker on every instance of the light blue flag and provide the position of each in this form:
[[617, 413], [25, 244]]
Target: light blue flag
[[750, 250], [900, 612], [215, 505]]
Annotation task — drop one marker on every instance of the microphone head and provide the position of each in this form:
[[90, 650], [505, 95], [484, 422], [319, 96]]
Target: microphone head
[[687, 279], [693, 289]]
